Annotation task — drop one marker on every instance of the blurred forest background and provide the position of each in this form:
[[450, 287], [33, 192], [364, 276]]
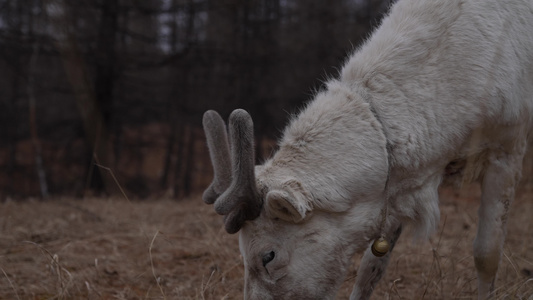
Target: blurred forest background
[[95, 92]]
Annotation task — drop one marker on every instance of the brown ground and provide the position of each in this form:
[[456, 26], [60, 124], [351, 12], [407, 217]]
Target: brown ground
[[116, 249]]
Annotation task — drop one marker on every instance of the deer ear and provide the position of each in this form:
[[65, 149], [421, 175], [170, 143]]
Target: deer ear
[[290, 203]]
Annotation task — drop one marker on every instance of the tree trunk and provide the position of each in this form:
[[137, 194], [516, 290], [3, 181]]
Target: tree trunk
[[182, 142], [41, 174], [89, 106], [189, 163]]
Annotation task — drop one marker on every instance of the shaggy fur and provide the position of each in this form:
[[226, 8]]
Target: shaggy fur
[[443, 90]]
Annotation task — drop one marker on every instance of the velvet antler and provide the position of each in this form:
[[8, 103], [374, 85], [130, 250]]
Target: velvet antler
[[240, 201], [217, 142]]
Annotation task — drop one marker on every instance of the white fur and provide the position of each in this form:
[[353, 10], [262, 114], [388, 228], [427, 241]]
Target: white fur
[[439, 82]]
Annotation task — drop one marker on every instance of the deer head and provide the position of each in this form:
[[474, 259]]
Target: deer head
[[293, 245]]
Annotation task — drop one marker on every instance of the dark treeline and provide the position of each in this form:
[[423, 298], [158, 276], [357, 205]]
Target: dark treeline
[[95, 93]]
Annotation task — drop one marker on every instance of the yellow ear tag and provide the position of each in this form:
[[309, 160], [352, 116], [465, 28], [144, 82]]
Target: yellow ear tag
[[380, 247]]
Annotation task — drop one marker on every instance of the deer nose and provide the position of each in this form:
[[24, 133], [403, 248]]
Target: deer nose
[[268, 257]]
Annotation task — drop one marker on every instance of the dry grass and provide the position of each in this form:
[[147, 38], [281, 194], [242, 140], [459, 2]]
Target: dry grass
[[115, 249]]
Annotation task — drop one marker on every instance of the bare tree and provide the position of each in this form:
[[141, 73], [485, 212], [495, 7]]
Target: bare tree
[[30, 84]]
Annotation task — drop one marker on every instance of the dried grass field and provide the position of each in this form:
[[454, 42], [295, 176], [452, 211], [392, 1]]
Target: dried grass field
[[164, 249]]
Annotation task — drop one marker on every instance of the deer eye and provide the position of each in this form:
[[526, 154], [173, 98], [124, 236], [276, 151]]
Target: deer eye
[[268, 257]]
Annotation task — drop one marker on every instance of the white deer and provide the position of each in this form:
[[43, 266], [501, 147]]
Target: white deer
[[443, 89]]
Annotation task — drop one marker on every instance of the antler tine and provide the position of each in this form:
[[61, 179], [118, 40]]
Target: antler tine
[[241, 201], [217, 142]]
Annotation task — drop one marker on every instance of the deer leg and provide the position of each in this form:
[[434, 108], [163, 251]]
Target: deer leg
[[497, 193], [372, 269]]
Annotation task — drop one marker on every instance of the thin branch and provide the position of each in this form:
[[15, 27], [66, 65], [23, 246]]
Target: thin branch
[[114, 178]]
